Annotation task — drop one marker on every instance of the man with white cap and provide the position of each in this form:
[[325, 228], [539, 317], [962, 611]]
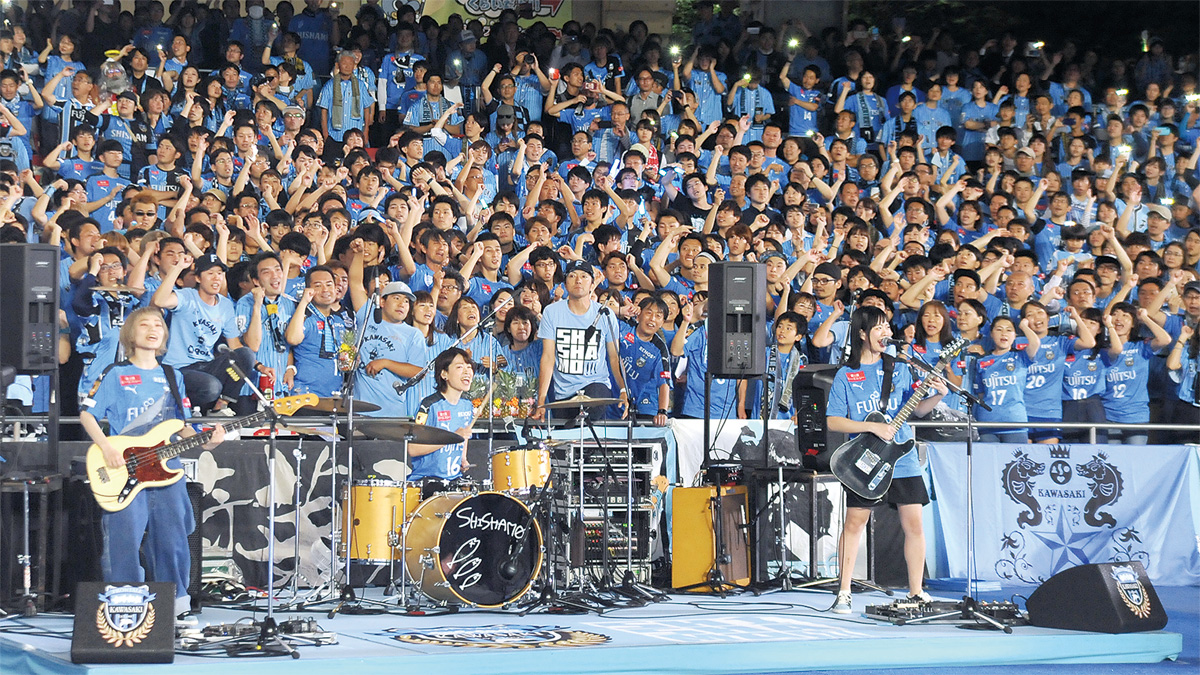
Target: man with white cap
[[388, 350]]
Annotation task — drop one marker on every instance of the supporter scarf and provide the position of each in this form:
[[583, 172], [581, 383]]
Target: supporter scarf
[[335, 117], [785, 386], [297, 63]]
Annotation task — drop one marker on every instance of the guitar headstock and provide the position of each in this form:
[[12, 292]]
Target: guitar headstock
[[952, 349], [288, 405]]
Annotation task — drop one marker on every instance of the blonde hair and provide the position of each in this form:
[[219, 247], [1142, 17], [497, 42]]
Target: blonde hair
[[129, 330]]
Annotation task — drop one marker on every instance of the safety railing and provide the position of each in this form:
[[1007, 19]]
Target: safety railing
[[1091, 427]]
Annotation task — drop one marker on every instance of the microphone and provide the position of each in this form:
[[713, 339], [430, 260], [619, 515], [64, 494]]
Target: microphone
[[378, 314], [235, 374], [591, 330], [898, 343]]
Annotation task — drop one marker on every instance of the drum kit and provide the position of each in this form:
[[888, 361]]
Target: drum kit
[[460, 543]]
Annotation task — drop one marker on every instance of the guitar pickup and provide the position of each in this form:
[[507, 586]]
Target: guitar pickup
[[867, 462]]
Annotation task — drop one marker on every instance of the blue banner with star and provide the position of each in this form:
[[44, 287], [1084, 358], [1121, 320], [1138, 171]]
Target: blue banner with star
[[1040, 509]]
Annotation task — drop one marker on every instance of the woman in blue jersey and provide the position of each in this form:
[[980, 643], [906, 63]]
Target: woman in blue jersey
[[450, 409], [856, 392], [1043, 386], [999, 379], [1184, 366], [1126, 396], [1084, 381], [521, 349]]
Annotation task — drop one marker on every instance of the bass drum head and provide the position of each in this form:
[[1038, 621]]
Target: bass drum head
[[476, 546]]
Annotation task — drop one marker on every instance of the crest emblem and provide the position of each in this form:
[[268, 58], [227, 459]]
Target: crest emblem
[[1129, 361], [1091, 365], [1050, 355], [1131, 590], [125, 615], [1009, 366]]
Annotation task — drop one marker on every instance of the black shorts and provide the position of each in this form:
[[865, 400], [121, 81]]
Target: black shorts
[[902, 491]]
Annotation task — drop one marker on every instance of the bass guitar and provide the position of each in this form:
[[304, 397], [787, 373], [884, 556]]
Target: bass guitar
[[146, 455], [865, 463]]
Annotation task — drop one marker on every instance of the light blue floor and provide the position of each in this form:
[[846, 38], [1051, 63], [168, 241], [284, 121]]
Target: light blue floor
[[782, 632]]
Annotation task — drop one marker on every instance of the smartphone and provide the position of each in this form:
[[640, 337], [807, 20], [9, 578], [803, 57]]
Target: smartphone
[[604, 124], [793, 43], [1162, 130], [753, 30]]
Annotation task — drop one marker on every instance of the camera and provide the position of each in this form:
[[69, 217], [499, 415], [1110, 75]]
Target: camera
[[530, 60]]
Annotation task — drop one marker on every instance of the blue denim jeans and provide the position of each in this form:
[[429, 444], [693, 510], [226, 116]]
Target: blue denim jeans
[[165, 513]]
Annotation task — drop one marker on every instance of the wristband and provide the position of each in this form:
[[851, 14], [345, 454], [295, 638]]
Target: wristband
[[285, 370], [662, 411]]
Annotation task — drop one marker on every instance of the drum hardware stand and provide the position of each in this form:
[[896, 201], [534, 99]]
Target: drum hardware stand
[[549, 596], [28, 601], [327, 590], [298, 454], [346, 593], [968, 609], [270, 640]]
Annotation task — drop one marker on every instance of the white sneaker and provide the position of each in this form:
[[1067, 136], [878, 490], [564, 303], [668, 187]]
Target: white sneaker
[[920, 597], [842, 604]]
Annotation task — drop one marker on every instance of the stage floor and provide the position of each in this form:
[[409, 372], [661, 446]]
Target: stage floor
[[774, 633]]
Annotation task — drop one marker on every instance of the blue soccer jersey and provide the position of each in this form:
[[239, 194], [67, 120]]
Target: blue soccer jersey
[[446, 461]]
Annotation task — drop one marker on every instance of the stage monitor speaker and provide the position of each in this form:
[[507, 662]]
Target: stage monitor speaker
[[1102, 598], [29, 306], [693, 535], [810, 395], [737, 319], [124, 623]]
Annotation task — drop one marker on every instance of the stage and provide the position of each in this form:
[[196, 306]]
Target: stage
[[772, 633]]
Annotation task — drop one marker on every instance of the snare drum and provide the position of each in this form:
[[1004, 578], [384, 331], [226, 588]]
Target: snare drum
[[519, 468], [380, 509], [459, 547]]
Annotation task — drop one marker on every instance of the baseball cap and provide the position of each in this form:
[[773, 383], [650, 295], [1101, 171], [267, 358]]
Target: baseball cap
[[466, 36], [207, 262], [129, 94], [506, 114], [1027, 151], [1107, 260], [708, 255], [828, 269], [1192, 286], [374, 214], [577, 266], [773, 254], [398, 287], [1159, 210], [292, 109], [218, 195]]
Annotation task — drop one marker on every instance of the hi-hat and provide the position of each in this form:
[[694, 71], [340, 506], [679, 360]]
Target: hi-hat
[[581, 401]]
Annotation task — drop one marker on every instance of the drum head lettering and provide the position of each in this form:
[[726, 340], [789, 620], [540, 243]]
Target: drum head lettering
[[481, 551]]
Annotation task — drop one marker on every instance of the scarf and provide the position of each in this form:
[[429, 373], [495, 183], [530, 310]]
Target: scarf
[[784, 389], [335, 117]]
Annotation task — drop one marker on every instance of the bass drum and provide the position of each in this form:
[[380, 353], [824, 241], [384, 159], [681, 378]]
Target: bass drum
[[459, 548]]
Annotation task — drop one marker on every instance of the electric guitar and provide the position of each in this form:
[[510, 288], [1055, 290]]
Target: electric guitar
[[146, 455], [865, 463]]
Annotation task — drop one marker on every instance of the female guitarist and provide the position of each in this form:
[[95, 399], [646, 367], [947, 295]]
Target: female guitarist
[[134, 396], [855, 393]]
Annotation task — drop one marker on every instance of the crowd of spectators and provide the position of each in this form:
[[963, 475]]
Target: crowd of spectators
[[275, 180]]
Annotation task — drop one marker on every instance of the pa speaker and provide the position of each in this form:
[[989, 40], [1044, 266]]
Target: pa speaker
[[1103, 598], [737, 319], [124, 623], [810, 396], [29, 305]]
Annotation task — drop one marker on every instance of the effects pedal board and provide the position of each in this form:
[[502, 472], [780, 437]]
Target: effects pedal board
[[902, 611]]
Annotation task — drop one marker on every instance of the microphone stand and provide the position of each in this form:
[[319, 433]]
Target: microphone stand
[[347, 592], [269, 640], [968, 609]]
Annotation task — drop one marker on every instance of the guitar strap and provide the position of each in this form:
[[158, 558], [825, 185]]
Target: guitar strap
[[885, 395], [174, 390]]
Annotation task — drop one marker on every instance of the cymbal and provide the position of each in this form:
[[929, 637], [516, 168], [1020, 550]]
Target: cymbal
[[115, 289], [399, 430], [307, 431], [339, 406], [581, 401]]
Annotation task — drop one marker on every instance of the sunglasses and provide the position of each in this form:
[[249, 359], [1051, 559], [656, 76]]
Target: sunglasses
[[145, 213]]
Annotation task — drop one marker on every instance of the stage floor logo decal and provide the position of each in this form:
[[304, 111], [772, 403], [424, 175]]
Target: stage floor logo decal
[[501, 636]]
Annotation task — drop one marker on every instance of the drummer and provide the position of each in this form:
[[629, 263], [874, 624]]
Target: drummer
[[447, 409]]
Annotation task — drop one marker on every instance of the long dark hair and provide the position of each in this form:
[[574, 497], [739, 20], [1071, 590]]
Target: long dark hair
[[1097, 315], [451, 326], [864, 319], [943, 336]]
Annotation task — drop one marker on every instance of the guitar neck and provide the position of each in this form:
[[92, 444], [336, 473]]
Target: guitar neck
[[919, 395], [168, 451]]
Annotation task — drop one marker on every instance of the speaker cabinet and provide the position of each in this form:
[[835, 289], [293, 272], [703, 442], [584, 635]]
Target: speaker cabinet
[[29, 305], [1102, 598], [124, 623], [694, 538], [737, 319], [810, 395]]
